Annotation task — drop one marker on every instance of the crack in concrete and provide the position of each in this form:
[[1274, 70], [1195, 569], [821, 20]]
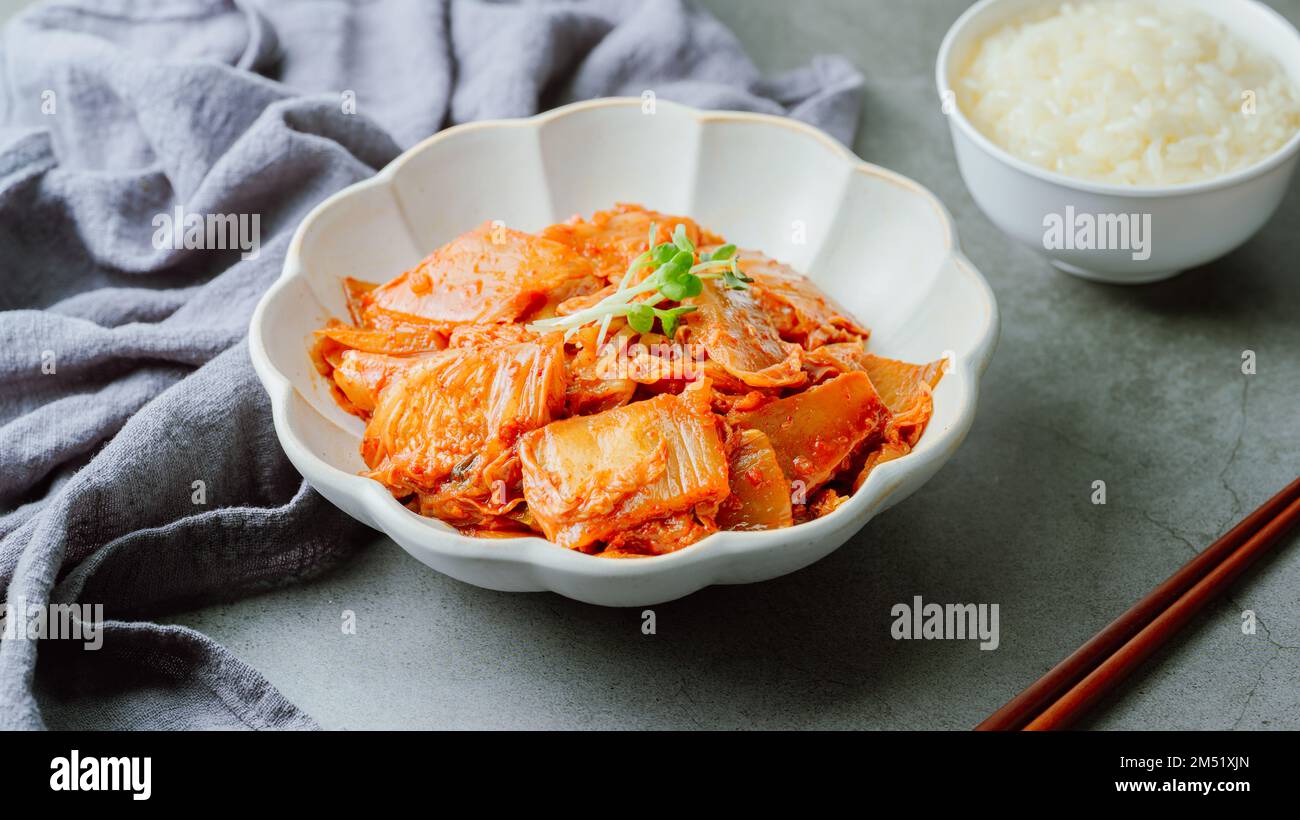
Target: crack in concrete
[[1250, 696], [1268, 633], [1232, 454], [1080, 446], [687, 704], [1169, 529]]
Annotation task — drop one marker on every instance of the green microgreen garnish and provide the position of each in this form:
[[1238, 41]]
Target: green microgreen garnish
[[677, 276], [642, 317]]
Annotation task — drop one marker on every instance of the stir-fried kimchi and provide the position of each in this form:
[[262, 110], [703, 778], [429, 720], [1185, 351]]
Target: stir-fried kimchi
[[624, 386]]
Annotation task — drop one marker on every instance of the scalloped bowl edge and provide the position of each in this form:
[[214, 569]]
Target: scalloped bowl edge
[[726, 557]]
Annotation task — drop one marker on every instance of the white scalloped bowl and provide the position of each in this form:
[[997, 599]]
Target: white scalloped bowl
[[880, 244]]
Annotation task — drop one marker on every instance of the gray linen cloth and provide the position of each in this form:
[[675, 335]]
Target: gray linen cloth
[[124, 371]]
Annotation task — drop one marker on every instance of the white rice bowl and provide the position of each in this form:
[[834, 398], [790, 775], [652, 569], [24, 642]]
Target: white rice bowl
[[1128, 92]]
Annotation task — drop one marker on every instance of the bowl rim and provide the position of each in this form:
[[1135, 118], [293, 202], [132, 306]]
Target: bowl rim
[[1242, 175], [391, 517]]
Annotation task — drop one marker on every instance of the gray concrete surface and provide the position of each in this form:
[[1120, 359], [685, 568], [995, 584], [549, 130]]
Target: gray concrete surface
[[1141, 388]]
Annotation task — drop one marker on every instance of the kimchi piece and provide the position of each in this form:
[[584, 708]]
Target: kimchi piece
[[907, 390], [815, 432], [360, 376], [491, 274], [445, 430], [624, 385], [738, 335], [612, 239], [829, 361], [760, 493], [588, 479], [592, 386], [389, 341], [660, 536], [801, 312]]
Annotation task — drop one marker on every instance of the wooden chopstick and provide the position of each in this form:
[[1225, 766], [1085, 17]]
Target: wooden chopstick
[[1074, 703], [1269, 521]]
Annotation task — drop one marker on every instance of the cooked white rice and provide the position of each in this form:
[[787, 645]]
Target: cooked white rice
[[1131, 92]]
